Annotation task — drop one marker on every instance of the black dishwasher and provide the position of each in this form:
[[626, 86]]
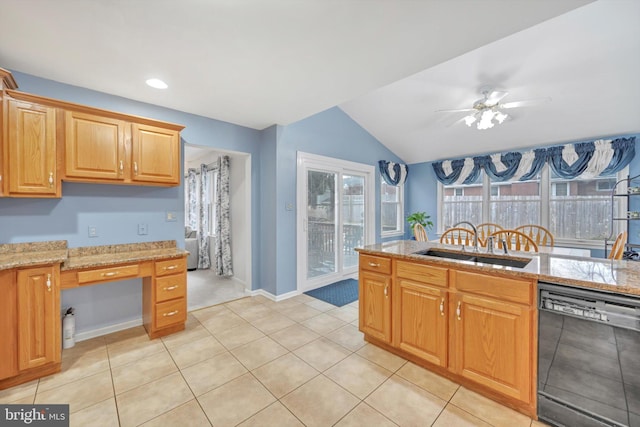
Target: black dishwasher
[[588, 357]]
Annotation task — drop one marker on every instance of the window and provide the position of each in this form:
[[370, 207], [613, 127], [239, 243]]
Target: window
[[392, 209], [576, 211]]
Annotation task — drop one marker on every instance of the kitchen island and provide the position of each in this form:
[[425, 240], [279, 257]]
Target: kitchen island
[[475, 323]]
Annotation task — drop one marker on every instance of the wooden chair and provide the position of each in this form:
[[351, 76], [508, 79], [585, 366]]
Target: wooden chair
[[618, 246], [515, 240], [538, 234], [420, 233], [458, 236], [485, 229]]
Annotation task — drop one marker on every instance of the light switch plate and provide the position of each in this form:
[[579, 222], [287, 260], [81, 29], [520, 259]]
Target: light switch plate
[[93, 231], [172, 216], [142, 229]]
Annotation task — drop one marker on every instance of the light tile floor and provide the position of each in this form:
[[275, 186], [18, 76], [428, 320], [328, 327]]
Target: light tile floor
[[255, 362], [205, 289]]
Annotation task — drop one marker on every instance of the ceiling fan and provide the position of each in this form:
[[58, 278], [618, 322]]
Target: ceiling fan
[[484, 111]]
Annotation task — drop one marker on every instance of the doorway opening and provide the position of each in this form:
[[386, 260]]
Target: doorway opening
[[204, 287]]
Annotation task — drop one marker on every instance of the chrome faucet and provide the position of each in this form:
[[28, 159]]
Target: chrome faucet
[[490, 244], [475, 233]]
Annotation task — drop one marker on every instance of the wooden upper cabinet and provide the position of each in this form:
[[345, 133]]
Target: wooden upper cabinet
[[155, 154], [30, 131], [38, 306], [94, 147]]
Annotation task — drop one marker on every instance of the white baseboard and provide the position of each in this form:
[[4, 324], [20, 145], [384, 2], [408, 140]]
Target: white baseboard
[[82, 336], [273, 297]]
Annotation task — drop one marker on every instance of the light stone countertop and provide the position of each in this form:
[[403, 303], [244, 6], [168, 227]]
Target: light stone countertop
[[585, 272], [15, 255]]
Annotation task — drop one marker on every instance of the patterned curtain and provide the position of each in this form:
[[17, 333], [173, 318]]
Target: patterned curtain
[[223, 220], [192, 199], [393, 173], [204, 261], [587, 159]]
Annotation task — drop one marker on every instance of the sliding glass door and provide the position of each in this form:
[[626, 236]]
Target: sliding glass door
[[335, 218]]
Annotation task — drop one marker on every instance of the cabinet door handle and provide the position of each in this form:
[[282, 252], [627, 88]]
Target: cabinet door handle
[[171, 313], [442, 307], [170, 288], [458, 311], [121, 166], [386, 291], [373, 264], [135, 168], [110, 274], [49, 282], [50, 179], [171, 267]]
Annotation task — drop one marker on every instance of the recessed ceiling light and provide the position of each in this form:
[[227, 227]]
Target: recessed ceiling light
[[157, 83]]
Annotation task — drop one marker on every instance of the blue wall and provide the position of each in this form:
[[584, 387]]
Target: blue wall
[[331, 133], [116, 210]]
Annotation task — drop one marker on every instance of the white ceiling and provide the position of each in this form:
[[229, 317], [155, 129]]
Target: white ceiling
[[263, 62], [587, 61]]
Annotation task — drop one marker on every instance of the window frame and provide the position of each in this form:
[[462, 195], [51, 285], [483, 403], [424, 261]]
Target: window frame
[[545, 198], [399, 231]]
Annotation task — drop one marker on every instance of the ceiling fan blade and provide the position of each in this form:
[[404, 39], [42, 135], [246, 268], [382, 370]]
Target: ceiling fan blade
[[526, 103], [462, 110], [495, 97]]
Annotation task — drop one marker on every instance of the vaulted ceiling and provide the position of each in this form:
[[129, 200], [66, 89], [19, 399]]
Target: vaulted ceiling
[[389, 64]]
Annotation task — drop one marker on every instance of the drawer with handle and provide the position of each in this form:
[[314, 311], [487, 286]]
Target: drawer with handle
[[375, 263], [108, 273], [171, 266], [171, 312], [170, 287]]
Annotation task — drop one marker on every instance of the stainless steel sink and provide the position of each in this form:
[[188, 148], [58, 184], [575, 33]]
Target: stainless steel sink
[[465, 256]]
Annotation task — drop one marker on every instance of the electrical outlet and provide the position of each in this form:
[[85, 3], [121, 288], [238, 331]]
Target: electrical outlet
[[93, 231], [172, 216], [142, 229], [288, 206]]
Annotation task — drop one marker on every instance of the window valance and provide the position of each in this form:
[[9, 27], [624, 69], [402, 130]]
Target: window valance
[[393, 173], [584, 159]]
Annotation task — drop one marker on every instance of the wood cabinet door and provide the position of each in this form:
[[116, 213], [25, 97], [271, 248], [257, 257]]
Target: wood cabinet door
[[32, 149], [8, 325], [375, 305], [492, 343], [422, 322], [95, 147], [155, 154], [38, 317]]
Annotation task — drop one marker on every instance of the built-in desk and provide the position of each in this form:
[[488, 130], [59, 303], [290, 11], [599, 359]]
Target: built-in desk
[[33, 274]]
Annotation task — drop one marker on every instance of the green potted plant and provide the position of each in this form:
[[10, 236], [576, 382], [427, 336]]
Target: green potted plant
[[420, 218]]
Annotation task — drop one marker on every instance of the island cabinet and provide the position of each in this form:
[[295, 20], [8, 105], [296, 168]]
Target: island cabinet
[[477, 329], [30, 323], [375, 297], [492, 332], [30, 136], [421, 301]]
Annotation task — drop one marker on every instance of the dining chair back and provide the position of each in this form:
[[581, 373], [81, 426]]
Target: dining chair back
[[617, 250], [457, 236], [485, 229], [420, 233], [515, 241], [539, 234]]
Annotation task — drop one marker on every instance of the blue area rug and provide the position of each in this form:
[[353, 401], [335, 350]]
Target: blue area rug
[[339, 293]]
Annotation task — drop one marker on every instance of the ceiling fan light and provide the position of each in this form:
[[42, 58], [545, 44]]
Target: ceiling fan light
[[500, 116], [469, 120]]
